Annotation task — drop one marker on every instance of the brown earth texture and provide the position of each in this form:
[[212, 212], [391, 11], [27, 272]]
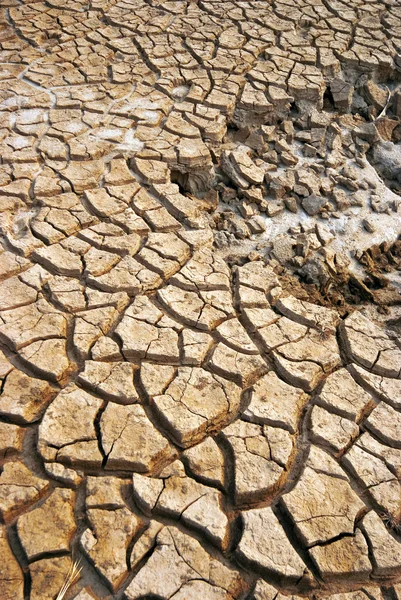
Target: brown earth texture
[[200, 309]]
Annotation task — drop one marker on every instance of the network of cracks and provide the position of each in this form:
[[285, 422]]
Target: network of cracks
[[173, 416]]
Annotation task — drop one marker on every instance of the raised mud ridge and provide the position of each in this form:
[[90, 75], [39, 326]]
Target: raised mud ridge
[[199, 305]]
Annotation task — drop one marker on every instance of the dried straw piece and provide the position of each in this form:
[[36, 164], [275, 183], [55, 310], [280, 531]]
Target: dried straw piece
[[72, 577]]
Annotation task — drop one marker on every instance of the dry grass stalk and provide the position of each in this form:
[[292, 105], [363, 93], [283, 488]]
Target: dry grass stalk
[[391, 522], [383, 112], [72, 577]]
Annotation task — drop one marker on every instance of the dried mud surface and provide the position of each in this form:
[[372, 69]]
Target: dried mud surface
[[200, 316]]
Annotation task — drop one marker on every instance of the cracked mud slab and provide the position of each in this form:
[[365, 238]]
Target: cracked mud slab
[[200, 361]]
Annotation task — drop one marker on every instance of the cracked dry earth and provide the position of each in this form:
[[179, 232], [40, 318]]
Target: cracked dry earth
[[173, 413]]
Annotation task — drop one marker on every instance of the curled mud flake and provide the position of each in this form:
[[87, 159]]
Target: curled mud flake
[[19, 489], [67, 432], [341, 395], [385, 549], [107, 526], [89, 326], [308, 314], [113, 381], [206, 462], [342, 560], [48, 576], [242, 368], [11, 575], [175, 494], [385, 423], [130, 441], [262, 459], [265, 545], [387, 389], [331, 431], [23, 398], [178, 560], [49, 528], [32, 323], [195, 404], [322, 507], [379, 483], [274, 402], [370, 346]]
